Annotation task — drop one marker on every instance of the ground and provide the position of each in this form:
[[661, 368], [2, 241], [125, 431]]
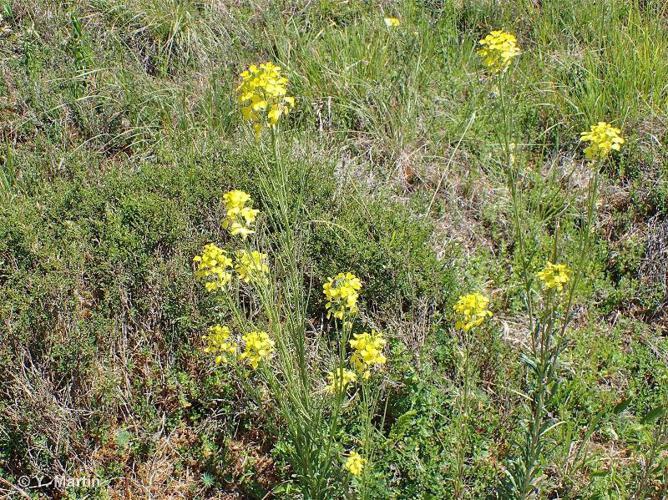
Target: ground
[[405, 161]]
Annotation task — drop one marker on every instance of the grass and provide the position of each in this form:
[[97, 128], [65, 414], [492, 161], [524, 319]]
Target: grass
[[121, 132]]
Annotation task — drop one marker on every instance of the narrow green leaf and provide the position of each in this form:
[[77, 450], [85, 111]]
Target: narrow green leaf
[[654, 415], [621, 406]]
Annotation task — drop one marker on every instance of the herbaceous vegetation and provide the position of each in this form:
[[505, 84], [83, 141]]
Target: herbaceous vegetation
[[333, 249]]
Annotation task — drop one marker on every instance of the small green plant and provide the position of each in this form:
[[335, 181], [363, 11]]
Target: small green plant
[[471, 311], [551, 310], [266, 303], [82, 53]]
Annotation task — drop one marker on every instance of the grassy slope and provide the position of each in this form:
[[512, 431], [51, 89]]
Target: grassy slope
[[120, 133]]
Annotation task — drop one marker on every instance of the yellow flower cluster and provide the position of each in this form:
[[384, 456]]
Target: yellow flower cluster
[[239, 218], [603, 138], [257, 347], [342, 293], [251, 266], [219, 344], [498, 50], [392, 22], [263, 95], [368, 351], [339, 380], [355, 463], [471, 310], [212, 266], [555, 276]]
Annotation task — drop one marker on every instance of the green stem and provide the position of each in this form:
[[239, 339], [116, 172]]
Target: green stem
[[462, 444], [585, 245], [511, 179]]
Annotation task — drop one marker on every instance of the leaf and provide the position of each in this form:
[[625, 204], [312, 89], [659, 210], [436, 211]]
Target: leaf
[[530, 362], [123, 438], [547, 428], [654, 415], [208, 480], [402, 424], [621, 406]]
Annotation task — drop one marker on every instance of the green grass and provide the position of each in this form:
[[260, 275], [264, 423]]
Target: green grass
[[120, 132]]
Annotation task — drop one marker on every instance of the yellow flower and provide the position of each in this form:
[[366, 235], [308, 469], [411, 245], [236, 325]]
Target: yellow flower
[[339, 380], [263, 95], [218, 343], [238, 217], [392, 22], [212, 267], [471, 311], [342, 293], [603, 138], [235, 199], [498, 50], [368, 351], [251, 266], [555, 276], [257, 347], [355, 463]]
